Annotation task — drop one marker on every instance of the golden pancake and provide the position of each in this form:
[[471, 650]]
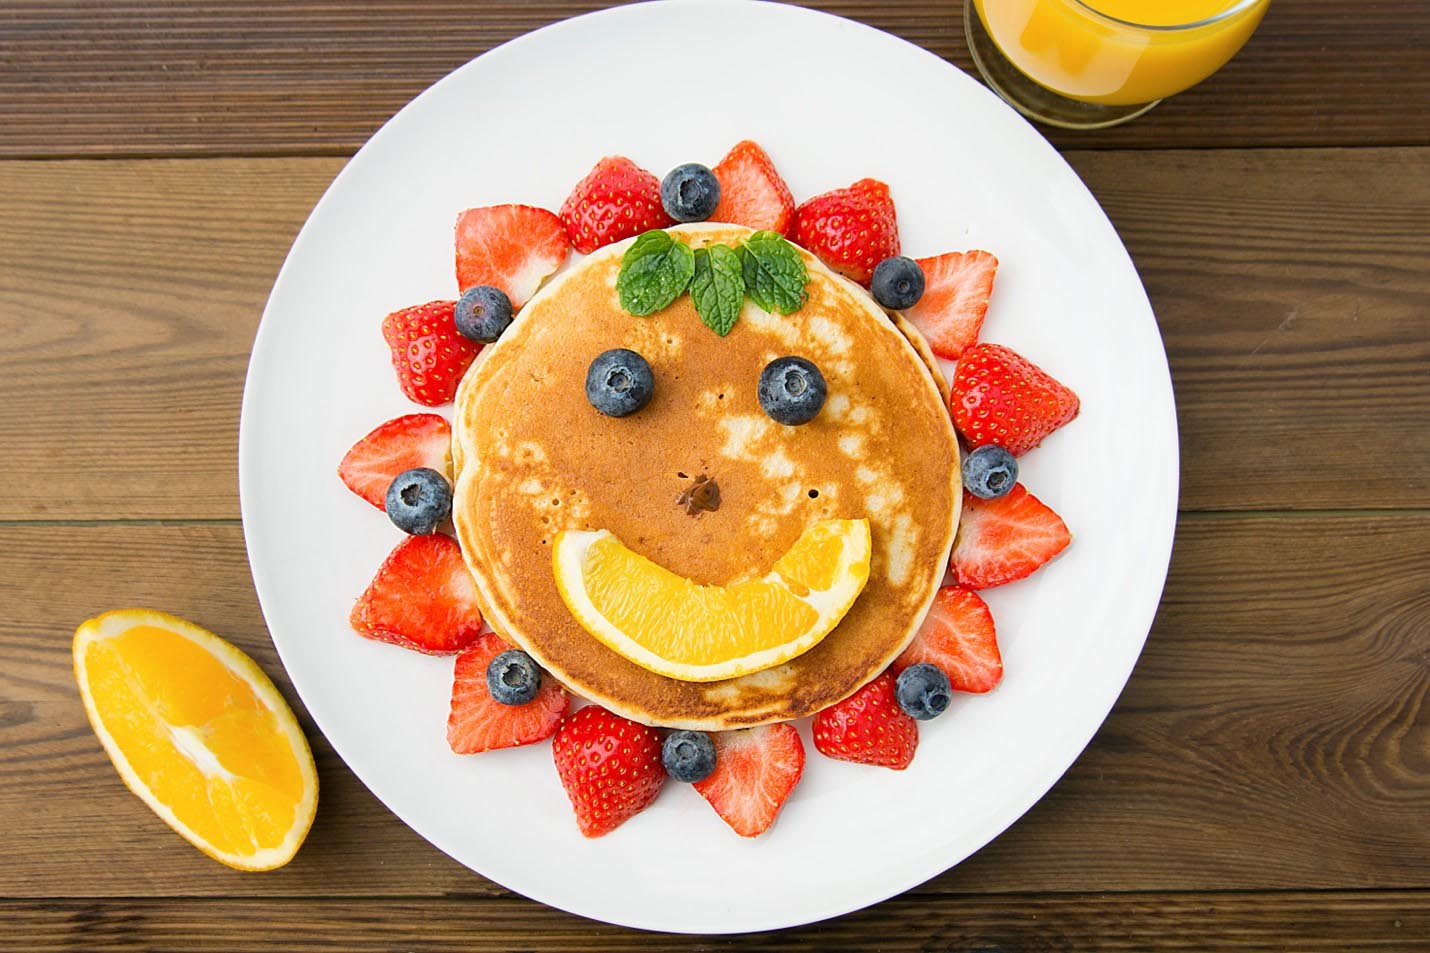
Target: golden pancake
[[534, 457], [925, 352]]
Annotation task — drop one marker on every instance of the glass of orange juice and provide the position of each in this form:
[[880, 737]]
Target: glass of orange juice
[[1086, 64]]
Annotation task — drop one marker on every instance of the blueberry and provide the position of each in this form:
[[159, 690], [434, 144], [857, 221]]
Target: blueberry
[[690, 192], [418, 499], [922, 691], [898, 283], [688, 755], [619, 382], [792, 390], [513, 678], [990, 472], [483, 313]]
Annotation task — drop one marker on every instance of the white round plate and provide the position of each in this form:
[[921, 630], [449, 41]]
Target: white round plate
[[832, 101]]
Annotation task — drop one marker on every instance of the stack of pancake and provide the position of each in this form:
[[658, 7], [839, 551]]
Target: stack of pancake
[[533, 457]]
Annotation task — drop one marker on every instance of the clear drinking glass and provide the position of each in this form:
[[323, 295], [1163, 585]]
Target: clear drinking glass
[[1087, 64]]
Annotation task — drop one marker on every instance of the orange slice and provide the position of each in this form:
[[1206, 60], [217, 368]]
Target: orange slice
[[200, 734], [672, 626]]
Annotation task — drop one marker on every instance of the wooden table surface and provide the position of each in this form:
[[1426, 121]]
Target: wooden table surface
[[1264, 781]]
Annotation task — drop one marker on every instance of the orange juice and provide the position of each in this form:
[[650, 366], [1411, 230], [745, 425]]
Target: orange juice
[[1119, 52]]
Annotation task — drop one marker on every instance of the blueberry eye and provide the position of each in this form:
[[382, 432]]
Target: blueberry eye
[[792, 390], [619, 382]]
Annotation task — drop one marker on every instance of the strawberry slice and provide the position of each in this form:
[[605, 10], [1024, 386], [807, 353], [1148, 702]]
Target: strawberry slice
[[1001, 397], [957, 636], [428, 354], [868, 727], [477, 722], [755, 771], [610, 767], [616, 199], [955, 299], [1005, 539], [422, 598], [851, 230], [511, 247], [751, 191], [403, 443]]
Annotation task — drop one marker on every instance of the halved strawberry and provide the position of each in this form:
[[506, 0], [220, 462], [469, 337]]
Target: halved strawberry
[[751, 191], [610, 767], [1005, 539], [755, 771], [511, 247], [616, 199], [851, 230], [957, 636], [428, 354], [422, 598], [1001, 397], [955, 299], [868, 727], [403, 443], [477, 722]]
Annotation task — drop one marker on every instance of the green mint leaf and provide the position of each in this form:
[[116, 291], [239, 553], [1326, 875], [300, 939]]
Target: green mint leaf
[[718, 288], [654, 272], [775, 275]]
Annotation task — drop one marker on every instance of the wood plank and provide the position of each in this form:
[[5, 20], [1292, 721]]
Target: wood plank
[[129, 296], [1290, 286], [146, 77], [1397, 921], [1273, 734]]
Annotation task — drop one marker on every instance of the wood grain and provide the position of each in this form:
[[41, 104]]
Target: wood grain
[[1290, 285], [146, 77], [129, 297], [1275, 731], [1339, 922]]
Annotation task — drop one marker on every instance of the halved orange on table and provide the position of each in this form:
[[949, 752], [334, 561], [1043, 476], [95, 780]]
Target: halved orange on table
[[200, 734]]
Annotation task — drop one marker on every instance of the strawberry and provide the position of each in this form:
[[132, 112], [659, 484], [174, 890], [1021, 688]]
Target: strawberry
[[755, 770], [955, 299], [422, 598], [868, 727], [851, 230], [751, 191], [616, 199], [609, 766], [403, 443], [428, 354], [1005, 539], [957, 636], [1001, 397], [511, 247], [477, 722]]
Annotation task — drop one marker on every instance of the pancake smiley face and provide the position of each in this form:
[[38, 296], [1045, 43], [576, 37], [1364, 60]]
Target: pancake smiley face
[[702, 484]]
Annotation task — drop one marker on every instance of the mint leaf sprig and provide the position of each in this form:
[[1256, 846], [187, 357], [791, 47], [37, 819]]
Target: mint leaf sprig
[[655, 270], [658, 268], [775, 275], [718, 288]]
